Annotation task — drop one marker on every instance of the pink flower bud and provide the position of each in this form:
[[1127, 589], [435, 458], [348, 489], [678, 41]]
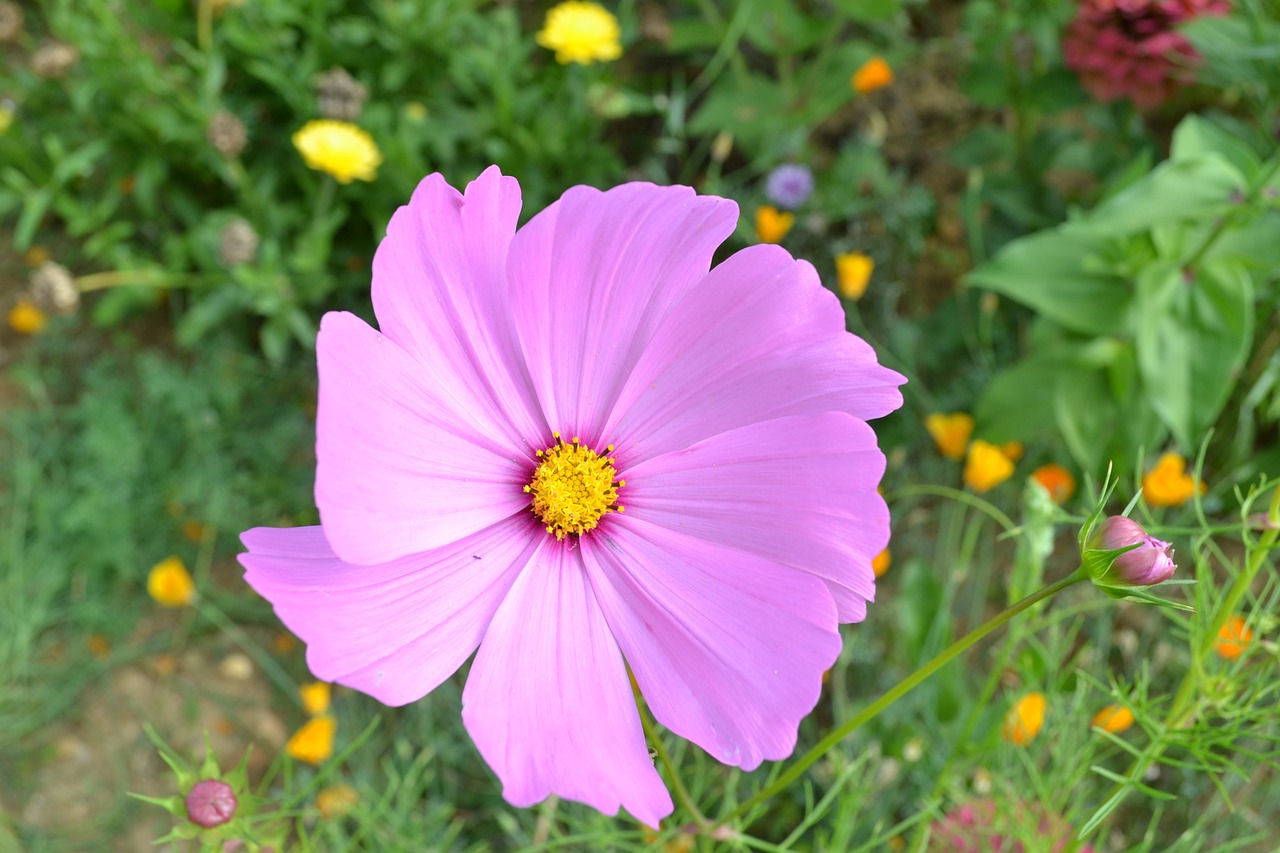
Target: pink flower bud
[[211, 803], [1148, 564]]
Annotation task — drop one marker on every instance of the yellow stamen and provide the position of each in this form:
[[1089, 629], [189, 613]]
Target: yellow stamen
[[573, 487]]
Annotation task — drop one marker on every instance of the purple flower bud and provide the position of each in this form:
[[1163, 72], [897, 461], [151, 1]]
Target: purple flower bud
[[1148, 564], [211, 803], [789, 185]]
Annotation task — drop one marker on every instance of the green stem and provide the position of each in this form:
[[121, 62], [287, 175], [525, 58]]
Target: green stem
[[1229, 219], [682, 793], [901, 689]]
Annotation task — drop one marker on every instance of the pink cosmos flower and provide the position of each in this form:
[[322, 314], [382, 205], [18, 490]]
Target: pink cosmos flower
[[573, 445], [1132, 48]]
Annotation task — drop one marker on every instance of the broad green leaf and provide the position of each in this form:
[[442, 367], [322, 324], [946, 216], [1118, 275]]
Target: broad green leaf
[[1048, 273], [1192, 189], [1192, 338], [1196, 135], [1018, 403]]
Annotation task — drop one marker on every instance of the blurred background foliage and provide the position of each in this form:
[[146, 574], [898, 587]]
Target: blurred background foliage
[[1065, 238]]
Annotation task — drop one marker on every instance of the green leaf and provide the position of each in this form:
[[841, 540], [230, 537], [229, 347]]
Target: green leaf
[[1018, 403], [1192, 339], [1196, 188], [1196, 135], [1048, 272]]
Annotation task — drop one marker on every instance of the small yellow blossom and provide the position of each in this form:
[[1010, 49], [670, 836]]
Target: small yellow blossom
[[874, 74], [1168, 483], [313, 743], [194, 531], [170, 584], [339, 149], [1233, 638], [415, 111], [35, 256], [1012, 449], [6, 118], [853, 270], [986, 466], [98, 646], [581, 32], [772, 224], [1115, 719], [26, 319], [336, 801], [880, 562], [950, 432], [315, 697], [1055, 480], [1024, 720]]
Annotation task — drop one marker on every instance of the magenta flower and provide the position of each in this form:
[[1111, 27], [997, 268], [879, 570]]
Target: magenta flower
[[1150, 563], [1132, 48], [210, 803], [983, 826], [573, 445]]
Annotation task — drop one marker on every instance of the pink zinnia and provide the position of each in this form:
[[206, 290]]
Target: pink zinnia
[[475, 457], [1132, 48]]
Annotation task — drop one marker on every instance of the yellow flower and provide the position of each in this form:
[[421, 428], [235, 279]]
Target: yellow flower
[[1233, 638], [26, 319], [35, 256], [6, 118], [874, 74], [950, 432], [1168, 483], [1024, 720], [1012, 449], [581, 32], [315, 697], [772, 224], [313, 743], [1114, 719], [880, 562], [336, 800], [170, 584], [1055, 480], [339, 149], [415, 111], [986, 467], [853, 271]]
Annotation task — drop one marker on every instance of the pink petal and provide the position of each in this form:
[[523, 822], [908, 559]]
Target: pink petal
[[440, 292], [399, 469], [759, 338], [795, 491], [592, 277], [548, 701], [394, 630], [728, 648]]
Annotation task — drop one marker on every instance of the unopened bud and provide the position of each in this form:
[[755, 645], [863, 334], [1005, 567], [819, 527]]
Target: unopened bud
[[237, 243], [1148, 560], [53, 288], [339, 95], [226, 134], [211, 803]]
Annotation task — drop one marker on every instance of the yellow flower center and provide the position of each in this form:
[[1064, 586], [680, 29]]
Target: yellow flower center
[[573, 487]]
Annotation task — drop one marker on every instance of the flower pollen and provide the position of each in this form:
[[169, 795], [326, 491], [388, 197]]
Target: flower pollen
[[573, 487]]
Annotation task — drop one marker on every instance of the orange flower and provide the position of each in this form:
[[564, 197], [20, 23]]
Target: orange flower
[[1024, 720], [1012, 449], [1233, 638], [881, 562], [986, 466], [950, 432], [1055, 480], [336, 800], [98, 645], [170, 584], [874, 74], [1168, 483], [853, 271], [26, 319], [315, 697], [313, 743], [1114, 719], [772, 224]]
